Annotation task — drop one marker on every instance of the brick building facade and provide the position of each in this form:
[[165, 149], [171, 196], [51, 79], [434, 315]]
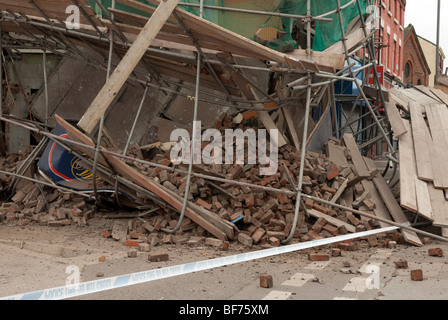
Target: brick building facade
[[390, 38], [416, 70]]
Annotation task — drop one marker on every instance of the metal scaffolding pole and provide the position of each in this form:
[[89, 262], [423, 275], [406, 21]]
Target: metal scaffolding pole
[[372, 112], [194, 137]]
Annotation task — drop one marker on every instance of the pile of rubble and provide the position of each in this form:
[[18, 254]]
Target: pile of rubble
[[252, 209], [262, 216], [38, 203]]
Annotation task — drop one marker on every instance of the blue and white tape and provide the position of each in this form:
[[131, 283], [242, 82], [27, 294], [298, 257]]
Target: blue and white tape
[[89, 287]]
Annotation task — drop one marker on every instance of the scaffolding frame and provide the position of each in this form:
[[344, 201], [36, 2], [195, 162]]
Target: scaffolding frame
[[58, 40]]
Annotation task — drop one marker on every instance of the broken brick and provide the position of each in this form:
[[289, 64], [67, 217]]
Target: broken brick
[[417, 275], [258, 234], [402, 264], [157, 257], [266, 281], [318, 257], [204, 204], [435, 252]]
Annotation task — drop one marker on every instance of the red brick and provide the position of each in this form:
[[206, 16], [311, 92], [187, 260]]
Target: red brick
[[266, 281], [282, 198], [417, 275], [332, 229], [204, 204], [267, 217], [372, 240], [335, 252], [157, 257], [313, 235], [132, 243], [318, 257], [320, 208], [318, 225], [326, 188], [309, 203], [258, 234], [249, 200], [332, 172], [54, 224], [274, 241], [353, 220], [245, 239], [435, 252]]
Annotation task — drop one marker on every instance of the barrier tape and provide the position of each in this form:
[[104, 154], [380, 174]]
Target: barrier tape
[[76, 290]]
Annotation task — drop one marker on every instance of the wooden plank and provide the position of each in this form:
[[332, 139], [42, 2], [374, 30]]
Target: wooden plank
[[424, 203], [357, 160], [332, 60], [401, 98], [408, 171], [203, 29], [331, 220], [395, 119], [429, 93], [380, 209], [439, 205], [422, 97], [53, 9], [421, 139], [131, 174], [440, 94], [126, 66], [435, 114], [291, 128], [352, 40], [340, 191], [392, 205]]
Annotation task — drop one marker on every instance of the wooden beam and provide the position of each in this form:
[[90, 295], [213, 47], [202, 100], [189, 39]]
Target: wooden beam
[[439, 205], [380, 209], [333, 60], [421, 139], [133, 175], [357, 160], [126, 66], [395, 119], [436, 113], [440, 94], [340, 191], [408, 171], [331, 220], [352, 40], [392, 205]]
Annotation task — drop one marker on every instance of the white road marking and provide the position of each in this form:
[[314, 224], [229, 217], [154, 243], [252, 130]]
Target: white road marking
[[299, 279], [277, 295]]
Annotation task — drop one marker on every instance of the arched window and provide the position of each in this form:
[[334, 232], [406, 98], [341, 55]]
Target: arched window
[[407, 70]]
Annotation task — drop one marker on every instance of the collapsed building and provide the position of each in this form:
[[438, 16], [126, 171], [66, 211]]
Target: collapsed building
[[93, 90]]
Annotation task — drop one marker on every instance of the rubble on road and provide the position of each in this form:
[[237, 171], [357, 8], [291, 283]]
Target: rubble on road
[[251, 209]]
